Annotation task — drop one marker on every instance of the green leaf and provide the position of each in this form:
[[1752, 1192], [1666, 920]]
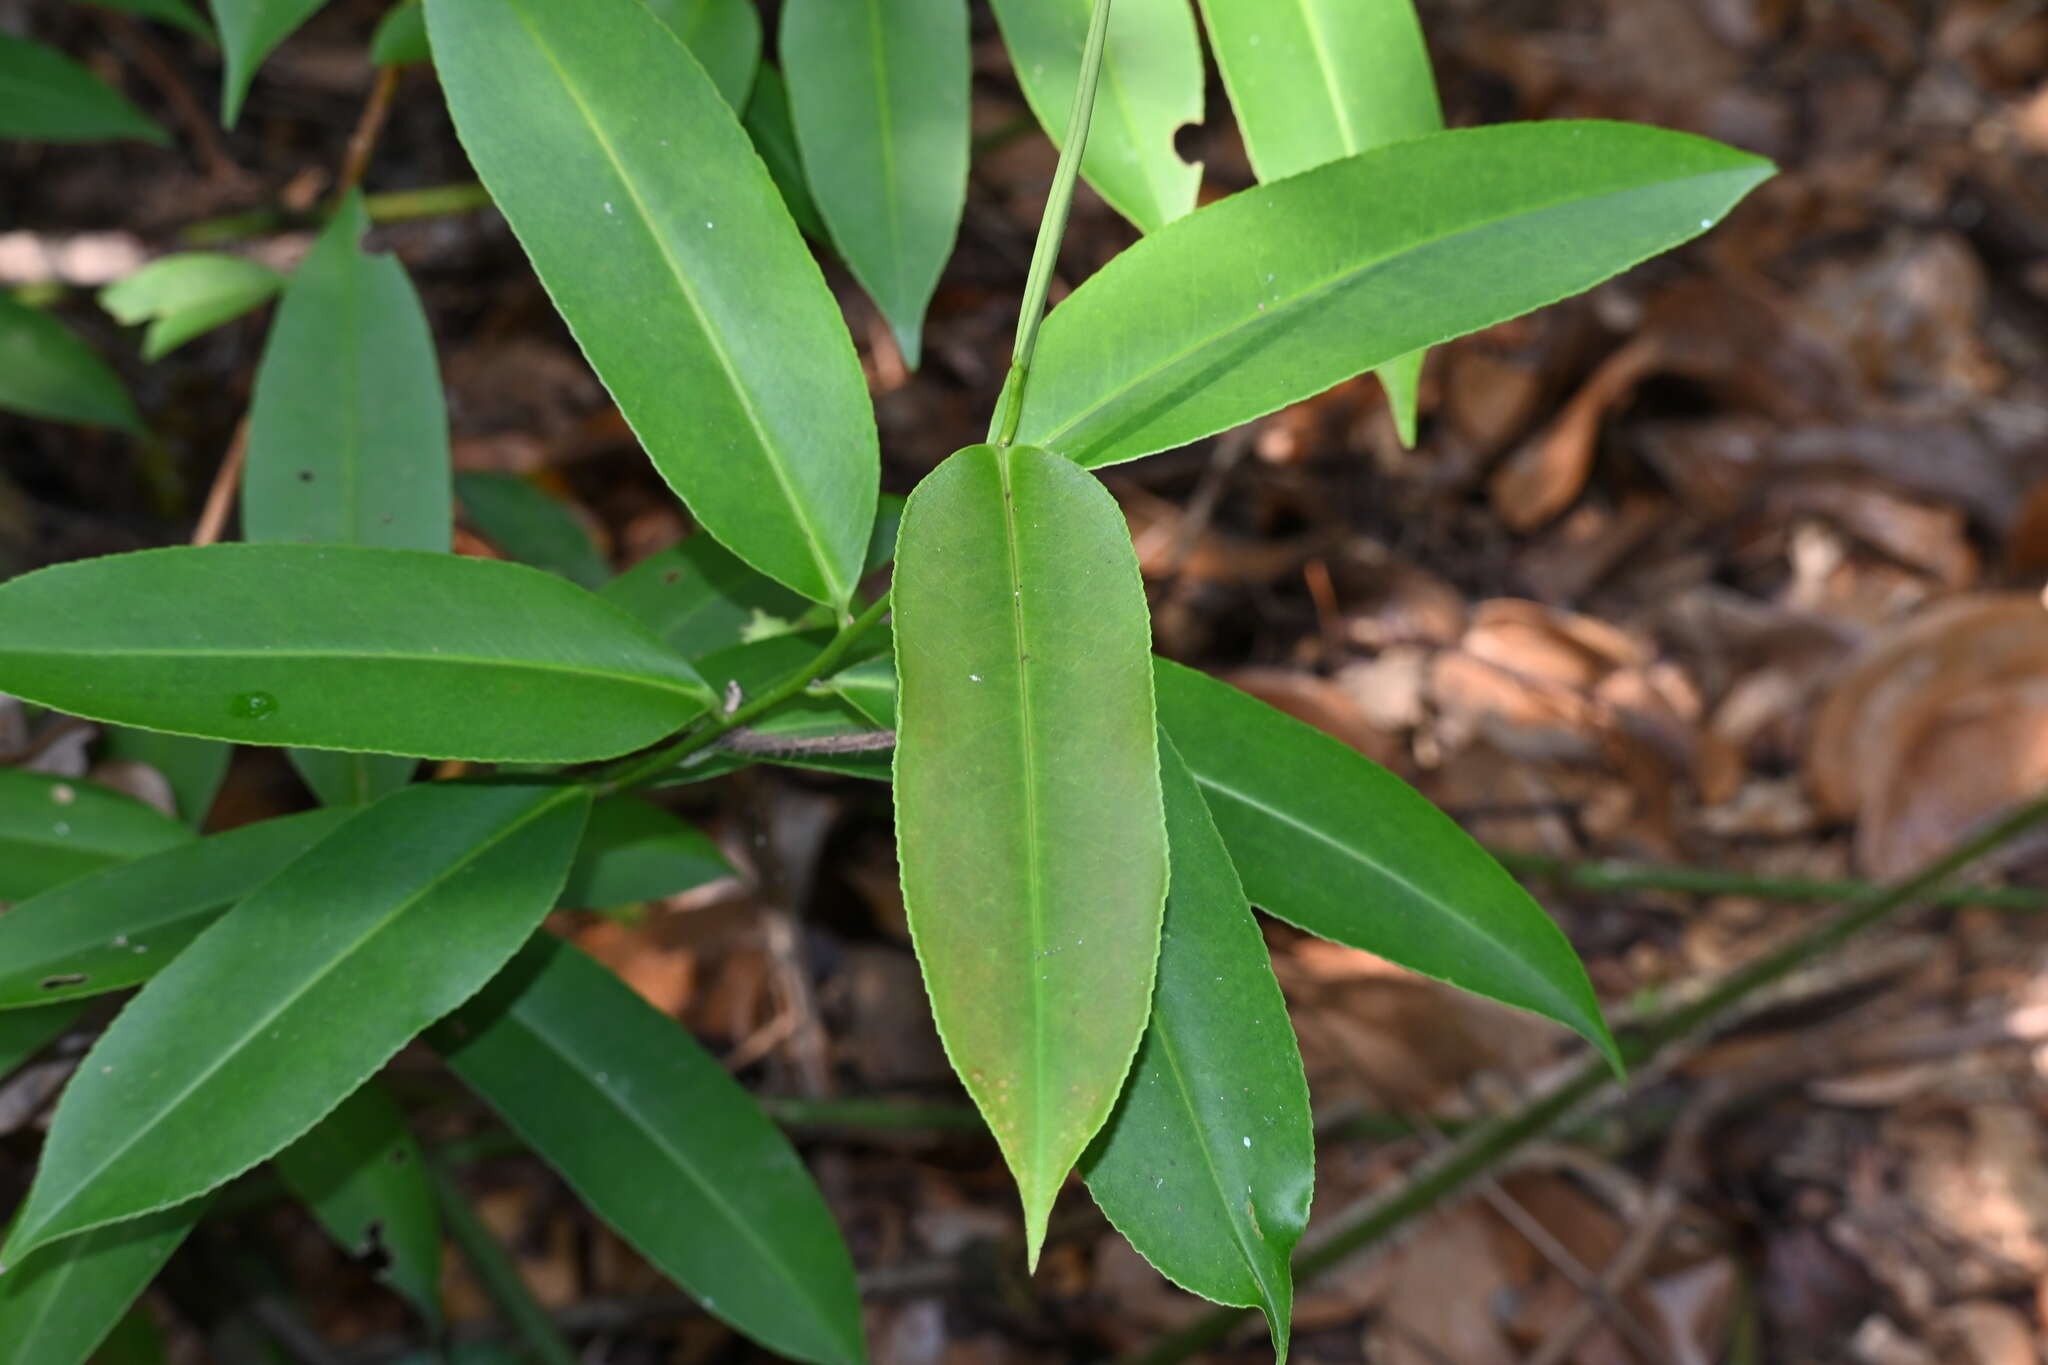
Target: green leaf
[[60, 1303], [46, 371], [182, 297], [121, 926], [249, 31], [1331, 842], [291, 1000], [1028, 817], [699, 597], [634, 852], [723, 35], [665, 244], [53, 829], [135, 1340], [367, 650], [195, 768], [1151, 88], [769, 123], [1209, 1161], [47, 97], [870, 688], [174, 12], [1315, 81], [1284, 290], [343, 779], [879, 92], [401, 36], [663, 1145], [531, 527], [362, 1174], [24, 1033]]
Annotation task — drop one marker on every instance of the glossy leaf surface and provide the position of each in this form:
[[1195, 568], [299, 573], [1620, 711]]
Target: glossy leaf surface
[[1331, 842], [47, 97], [370, 650], [663, 1145], [515, 515], [122, 925], [665, 245], [1151, 87], [249, 31], [182, 297], [769, 122], [1028, 815], [699, 597], [57, 1306], [46, 371], [1208, 1163], [879, 93], [1279, 292], [362, 1174], [633, 851], [289, 1002], [723, 35], [24, 1033], [53, 829]]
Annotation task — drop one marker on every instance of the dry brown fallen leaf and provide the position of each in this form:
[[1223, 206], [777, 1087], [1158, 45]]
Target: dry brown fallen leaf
[[1547, 474]]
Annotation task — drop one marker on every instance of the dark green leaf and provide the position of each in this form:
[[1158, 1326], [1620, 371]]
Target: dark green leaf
[[1151, 88], [698, 597], [663, 1145], [1330, 841], [195, 768], [369, 650], [60, 1303], [292, 999], [531, 527], [870, 688], [53, 829], [1028, 818], [769, 123], [1209, 1161], [47, 97], [344, 779], [135, 1340], [121, 926], [182, 297], [665, 244], [1278, 293], [361, 1172], [45, 371], [249, 31], [401, 36], [723, 35], [634, 852], [878, 90], [24, 1033]]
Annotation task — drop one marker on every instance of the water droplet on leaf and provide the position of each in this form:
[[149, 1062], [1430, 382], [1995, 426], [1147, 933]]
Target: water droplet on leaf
[[253, 706]]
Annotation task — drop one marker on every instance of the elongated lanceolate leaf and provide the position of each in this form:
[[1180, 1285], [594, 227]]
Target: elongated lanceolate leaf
[[1314, 81], [1151, 88], [57, 1306], [294, 998], [121, 926], [47, 97], [723, 35], [1281, 291], [663, 1145], [46, 371], [368, 650], [24, 1033], [528, 525], [181, 297], [665, 244], [879, 92], [769, 122], [362, 1174], [1028, 817], [249, 31], [53, 829], [1329, 841], [699, 597], [1208, 1163]]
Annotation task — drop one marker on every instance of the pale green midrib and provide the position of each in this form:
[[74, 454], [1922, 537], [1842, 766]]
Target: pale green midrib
[[1230, 1214], [885, 119], [1278, 307], [771, 452], [709, 1189], [357, 656], [140, 1129], [352, 443], [53, 1292], [1319, 42]]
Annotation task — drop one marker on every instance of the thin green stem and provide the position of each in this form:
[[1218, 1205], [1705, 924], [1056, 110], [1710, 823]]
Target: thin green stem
[[1604, 875], [1051, 230], [496, 1274]]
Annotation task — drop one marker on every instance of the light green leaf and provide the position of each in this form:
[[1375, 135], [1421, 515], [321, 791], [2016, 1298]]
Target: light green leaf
[[249, 31], [120, 926], [665, 244], [174, 12], [290, 1001], [1028, 817], [633, 852], [878, 90], [769, 123], [723, 35], [1151, 88], [24, 1033], [1279, 292], [182, 297], [1315, 81], [362, 1174], [53, 829], [47, 97], [531, 527], [401, 36], [1333, 843], [329, 646], [699, 597], [663, 1145], [195, 768], [60, 1303], [46, 371], [1209, 1161]]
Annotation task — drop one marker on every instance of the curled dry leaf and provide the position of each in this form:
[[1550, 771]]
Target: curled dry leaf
[[1545, 476]]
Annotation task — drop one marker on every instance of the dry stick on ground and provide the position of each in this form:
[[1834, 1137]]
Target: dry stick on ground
[[1473, 1155], [220, 499]]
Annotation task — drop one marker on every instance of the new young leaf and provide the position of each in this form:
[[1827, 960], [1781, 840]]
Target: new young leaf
[[182, 297]]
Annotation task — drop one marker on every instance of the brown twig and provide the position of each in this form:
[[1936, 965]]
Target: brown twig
[[362, 143], [149, 59], [220, 498]]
